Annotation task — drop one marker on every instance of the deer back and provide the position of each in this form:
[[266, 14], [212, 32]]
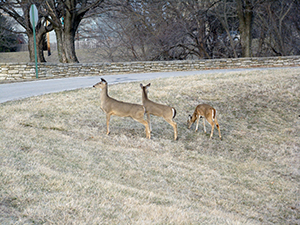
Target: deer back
[[158, 109], [205, 110], [123, 109]]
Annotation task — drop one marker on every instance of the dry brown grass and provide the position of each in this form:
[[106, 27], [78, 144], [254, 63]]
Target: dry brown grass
[[83, 55], [57, 166]]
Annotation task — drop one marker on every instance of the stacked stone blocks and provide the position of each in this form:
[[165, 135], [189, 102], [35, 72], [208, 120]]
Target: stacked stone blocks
[[26, 71]]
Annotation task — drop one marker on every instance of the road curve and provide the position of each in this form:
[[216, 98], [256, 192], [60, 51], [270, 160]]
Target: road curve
[[20, 90]]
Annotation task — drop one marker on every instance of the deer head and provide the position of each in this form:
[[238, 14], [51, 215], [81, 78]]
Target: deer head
[[102, 84]]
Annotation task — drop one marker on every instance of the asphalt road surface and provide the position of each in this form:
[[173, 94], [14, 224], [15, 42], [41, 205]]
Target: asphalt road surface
[[20, 90]]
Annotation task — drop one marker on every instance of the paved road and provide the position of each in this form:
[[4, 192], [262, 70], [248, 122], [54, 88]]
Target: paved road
[[20, 90]]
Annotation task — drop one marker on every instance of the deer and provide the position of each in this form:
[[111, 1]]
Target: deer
[[113, 107], [207, 112], [160, 110]]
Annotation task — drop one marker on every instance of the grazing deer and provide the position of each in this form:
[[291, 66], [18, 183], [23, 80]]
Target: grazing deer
[[206, 112], [117, 108], [164, 111]]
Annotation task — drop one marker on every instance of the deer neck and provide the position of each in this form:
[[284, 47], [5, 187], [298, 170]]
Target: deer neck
[[144, 96], [104, 95]]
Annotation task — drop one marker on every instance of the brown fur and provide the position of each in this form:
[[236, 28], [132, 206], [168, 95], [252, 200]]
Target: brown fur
[[156, 109], [206, 112], [118, 108]]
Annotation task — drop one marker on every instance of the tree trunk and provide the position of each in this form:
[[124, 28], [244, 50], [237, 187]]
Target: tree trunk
[[69, 47], [39, 47], [71, 23], [40, 39], [245, 15], [30, 47], [60, 46]]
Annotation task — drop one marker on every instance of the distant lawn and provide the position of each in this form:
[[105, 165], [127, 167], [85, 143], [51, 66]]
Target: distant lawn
[[84, 56], [57, 165]]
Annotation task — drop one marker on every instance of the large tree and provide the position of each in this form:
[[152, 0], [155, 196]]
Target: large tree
[[20, 10], [65, 16]]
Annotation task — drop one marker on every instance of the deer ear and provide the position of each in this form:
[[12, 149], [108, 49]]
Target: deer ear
[[103, 80], [141, 85], [148, 85]]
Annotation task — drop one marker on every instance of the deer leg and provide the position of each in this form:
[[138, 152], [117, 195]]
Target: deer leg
[[175, 130], [204, 125], [145, 123], [217, 125], [197, 123], [174, 125], [148, 118], [212, 130], [148, 131], [211, 122], [107, 123]]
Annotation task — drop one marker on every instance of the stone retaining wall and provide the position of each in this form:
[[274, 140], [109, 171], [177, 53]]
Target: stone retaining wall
[[26, 71]]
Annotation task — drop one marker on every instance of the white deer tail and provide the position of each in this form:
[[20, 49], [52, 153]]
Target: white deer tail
[[213, 114], [174, 112]]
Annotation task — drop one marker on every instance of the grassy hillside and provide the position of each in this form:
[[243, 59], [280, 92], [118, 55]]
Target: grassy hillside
[[57, 165]]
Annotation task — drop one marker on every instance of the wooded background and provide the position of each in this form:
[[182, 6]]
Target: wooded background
[[136, 30]]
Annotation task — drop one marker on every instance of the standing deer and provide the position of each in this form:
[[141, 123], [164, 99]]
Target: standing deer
[[164, 111], [206, 112], [117, 108]]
